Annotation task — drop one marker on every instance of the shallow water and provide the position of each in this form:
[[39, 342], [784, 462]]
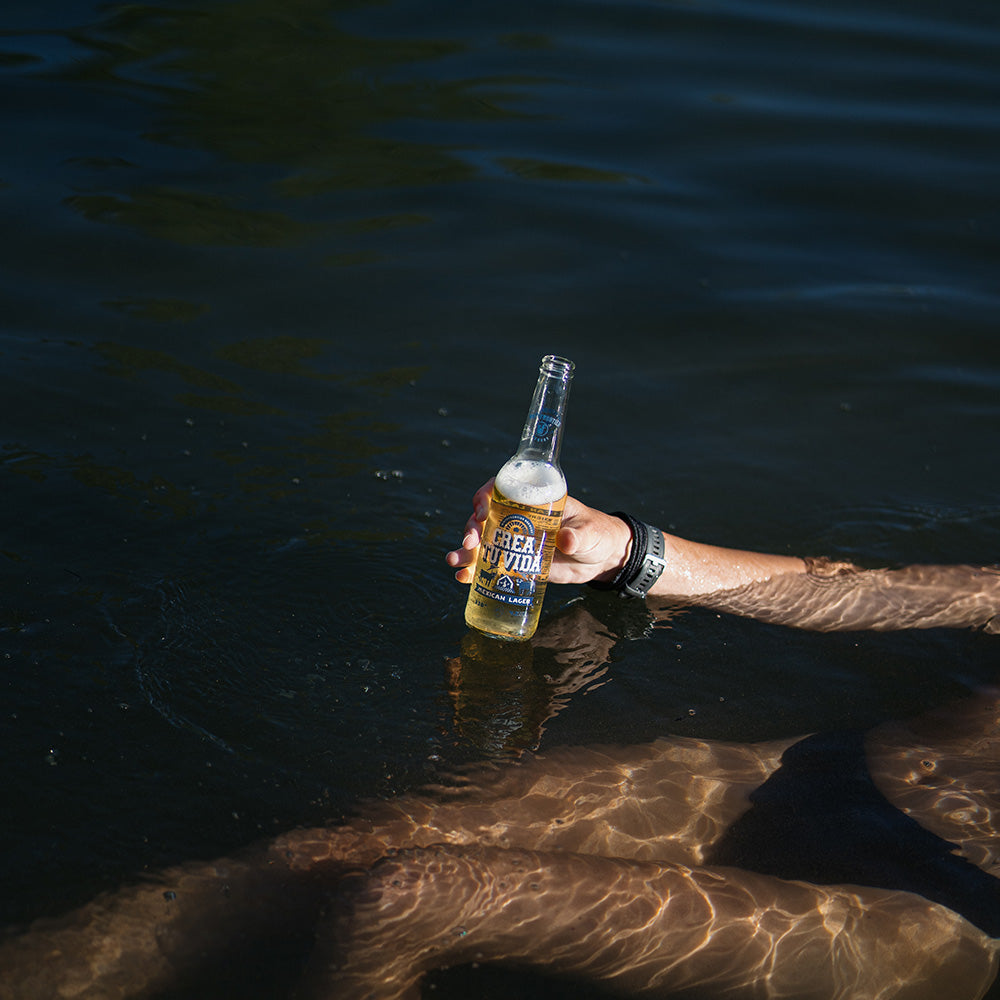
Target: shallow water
[[274, 285]]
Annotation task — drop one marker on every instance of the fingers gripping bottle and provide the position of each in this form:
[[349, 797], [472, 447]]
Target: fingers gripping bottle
[[519, 537]]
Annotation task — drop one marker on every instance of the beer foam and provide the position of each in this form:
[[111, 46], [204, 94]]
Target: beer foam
[[533, 483]]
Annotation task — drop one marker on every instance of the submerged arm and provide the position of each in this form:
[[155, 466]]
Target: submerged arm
[[839, 597]]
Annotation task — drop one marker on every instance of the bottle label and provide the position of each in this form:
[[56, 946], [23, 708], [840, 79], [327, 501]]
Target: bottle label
[[518, 543]]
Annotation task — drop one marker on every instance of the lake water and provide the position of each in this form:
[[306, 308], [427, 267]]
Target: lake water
[[274, 283]]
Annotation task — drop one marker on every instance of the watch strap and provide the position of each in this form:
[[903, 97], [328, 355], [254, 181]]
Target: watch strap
[[645, 561]]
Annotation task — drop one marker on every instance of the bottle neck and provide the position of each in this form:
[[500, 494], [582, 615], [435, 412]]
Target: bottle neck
[[541, 438]]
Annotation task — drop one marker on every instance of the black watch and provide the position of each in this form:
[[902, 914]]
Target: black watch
[[645, 561]]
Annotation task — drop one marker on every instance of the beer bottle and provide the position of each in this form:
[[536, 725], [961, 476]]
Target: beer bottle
[[519, 537]]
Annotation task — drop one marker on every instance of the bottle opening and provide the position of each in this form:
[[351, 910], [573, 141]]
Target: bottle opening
[[552, 364]]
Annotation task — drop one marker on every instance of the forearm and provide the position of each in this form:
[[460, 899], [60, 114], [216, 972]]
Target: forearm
[[694, 569], [823, 595], [839, 597]]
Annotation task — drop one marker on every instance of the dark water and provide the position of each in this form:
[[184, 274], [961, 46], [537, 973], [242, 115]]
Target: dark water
[[274, 282]]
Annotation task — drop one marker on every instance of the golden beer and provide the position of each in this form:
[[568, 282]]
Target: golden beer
[[519, 536]]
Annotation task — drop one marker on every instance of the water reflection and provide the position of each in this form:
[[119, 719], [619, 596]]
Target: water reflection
[[273, 84], [190, 218], [315, 108], [158, 310], [127, 360], [839, 865], [284, 355], [246, 462], [502, 693]]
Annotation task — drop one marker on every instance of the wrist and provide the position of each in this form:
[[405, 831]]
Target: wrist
[[643, 563], [619, 547]]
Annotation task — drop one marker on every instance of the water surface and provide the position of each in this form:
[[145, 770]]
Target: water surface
[[274, 285]]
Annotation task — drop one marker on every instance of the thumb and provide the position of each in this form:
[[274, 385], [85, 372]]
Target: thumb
[[567, 541]]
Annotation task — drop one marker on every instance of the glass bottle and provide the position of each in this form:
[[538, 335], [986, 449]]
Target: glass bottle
[[519, 537]]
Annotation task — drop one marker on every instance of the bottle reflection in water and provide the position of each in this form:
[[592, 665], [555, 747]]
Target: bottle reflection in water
[[499, 702]]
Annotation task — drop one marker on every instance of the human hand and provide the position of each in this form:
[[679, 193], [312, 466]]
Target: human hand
[[590, 545]]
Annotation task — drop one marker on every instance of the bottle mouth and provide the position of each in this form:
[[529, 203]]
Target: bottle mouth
[[552, 364]]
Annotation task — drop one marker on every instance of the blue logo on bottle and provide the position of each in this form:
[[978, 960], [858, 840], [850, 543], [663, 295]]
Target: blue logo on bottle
[[545, 424]]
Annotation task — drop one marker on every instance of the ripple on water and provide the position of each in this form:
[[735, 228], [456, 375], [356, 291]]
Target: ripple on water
[[291, 645]]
